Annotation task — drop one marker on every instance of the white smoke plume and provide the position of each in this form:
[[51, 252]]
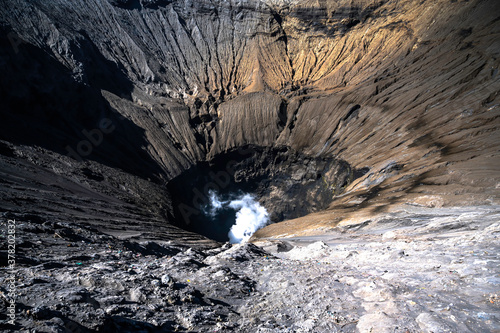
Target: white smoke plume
[[250, 215], [215, 203]]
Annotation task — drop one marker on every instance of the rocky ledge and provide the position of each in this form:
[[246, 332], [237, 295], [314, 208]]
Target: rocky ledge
[[421, 270]]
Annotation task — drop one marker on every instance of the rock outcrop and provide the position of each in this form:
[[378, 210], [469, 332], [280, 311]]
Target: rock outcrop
[[412, 272]]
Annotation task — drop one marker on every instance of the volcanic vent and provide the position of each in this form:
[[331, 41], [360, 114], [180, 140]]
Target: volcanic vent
[[288, 184]]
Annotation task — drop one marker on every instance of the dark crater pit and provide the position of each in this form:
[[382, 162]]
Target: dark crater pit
[[287, 183]]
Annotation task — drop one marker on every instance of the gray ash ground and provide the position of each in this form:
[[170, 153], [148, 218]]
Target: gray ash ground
[[416, 270]]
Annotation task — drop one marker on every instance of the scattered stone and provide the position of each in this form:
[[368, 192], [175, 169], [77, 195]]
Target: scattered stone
[[429, 323], [167, 280]]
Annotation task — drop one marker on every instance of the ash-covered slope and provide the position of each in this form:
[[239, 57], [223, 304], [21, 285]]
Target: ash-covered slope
[[402, 95]]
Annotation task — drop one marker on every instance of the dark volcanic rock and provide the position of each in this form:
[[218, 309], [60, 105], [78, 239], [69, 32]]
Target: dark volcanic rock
[[371, 277]]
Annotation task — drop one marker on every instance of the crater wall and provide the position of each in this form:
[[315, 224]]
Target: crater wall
[[405, 91]]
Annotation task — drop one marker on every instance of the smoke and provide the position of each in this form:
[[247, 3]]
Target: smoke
[[250, 215], [215, 204]]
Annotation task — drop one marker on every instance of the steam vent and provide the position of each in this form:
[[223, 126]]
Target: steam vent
[[250, 166]]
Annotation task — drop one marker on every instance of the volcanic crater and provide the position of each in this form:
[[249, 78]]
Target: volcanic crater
[[366, 130]]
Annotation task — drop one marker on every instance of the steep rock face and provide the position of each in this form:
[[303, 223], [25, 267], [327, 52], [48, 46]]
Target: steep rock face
[[406, 91]]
